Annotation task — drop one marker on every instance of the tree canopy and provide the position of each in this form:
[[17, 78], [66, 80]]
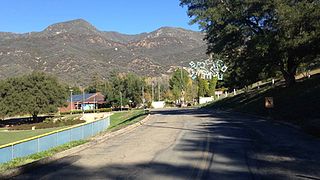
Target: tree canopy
[[260, 37], [179, 82], [31, 94]]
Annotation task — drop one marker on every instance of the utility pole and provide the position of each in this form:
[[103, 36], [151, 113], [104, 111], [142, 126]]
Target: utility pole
[[120, 101], [94, 108], [142, 92], [182, 88], [158, 91], [152, 96]]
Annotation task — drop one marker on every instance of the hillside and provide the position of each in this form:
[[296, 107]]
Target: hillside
[[298, 105], [76, 50]]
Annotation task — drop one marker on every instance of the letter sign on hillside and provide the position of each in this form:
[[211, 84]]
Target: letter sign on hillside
[[208, 69]]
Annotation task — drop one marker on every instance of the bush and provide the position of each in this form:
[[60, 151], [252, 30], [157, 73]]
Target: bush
[[73, 112], [49, 123], [87, 111], [104, 110]]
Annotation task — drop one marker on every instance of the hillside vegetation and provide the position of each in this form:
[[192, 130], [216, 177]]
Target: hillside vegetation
[[75, 51], [298, 104]]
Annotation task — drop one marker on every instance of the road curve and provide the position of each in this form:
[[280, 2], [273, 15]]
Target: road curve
[[194, 144]]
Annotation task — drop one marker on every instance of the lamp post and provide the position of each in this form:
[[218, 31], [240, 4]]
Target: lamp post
[[71, 103], [82, 104]]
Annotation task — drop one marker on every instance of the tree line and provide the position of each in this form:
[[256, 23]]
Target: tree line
[[40, 93], [134, 90]]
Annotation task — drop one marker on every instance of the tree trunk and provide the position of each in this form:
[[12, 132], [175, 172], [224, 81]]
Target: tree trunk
[[289, 72], [290, 79], [35, 118]]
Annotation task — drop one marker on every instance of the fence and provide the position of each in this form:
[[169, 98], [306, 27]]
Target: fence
[[51, 140]]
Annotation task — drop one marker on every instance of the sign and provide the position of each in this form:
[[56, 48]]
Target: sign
[[268, 102], [208, 69]]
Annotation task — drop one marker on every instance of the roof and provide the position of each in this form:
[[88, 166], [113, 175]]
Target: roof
[[79, 97]]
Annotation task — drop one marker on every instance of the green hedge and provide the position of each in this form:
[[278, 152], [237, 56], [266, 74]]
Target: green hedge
[[88, 111], [49, 123]]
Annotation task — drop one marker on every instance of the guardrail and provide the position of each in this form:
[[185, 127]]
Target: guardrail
[[50, 140]]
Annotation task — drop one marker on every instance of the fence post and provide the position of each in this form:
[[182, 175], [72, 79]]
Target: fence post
[[91, 128], [12, 153], [38, 143], [82, 127], [57, 138]]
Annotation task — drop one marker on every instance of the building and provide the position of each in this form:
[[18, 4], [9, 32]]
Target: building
[[88, 101]]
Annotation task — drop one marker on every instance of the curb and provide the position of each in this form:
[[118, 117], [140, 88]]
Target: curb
[[92, 141]]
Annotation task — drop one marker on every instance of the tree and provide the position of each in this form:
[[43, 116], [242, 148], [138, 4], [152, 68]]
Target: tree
[[212, 86], [178, 82], [6, 90], [260, 36], [96, 84], [128, 85], [133, 88], [32, 94], [203, 87]]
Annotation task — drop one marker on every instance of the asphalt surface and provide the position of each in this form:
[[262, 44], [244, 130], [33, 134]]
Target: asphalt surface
[[194, 144]]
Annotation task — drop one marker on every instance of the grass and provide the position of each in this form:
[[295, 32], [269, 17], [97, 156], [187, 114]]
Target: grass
[[13, 136], [122, 119], [298, 104], [34, 157]]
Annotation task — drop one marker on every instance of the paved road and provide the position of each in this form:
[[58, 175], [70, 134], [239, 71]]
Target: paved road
[[194, 144]]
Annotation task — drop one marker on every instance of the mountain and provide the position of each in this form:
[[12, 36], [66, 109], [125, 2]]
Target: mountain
[[76, 50]]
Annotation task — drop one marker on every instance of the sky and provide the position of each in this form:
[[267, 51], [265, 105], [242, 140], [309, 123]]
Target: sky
[[124, 16]]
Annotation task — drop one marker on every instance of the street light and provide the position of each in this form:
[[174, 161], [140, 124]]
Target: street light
[[82, 104], [71, 101]]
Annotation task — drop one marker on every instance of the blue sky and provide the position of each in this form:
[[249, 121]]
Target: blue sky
[[125, 16]]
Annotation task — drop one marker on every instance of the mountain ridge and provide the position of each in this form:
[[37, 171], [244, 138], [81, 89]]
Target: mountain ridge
[[76, 50]]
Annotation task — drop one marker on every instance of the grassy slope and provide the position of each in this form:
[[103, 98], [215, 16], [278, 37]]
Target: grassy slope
[[299, 104], [125, 118]]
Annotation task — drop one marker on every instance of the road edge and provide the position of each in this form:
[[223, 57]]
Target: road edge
[[104, 136]]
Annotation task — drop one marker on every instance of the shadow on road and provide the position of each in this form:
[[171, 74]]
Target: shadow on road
[[239, 147]]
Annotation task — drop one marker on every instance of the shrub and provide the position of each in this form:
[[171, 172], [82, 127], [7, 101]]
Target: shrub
[[49, 123], [87, 111]]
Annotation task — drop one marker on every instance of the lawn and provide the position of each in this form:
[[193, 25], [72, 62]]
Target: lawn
[[125, 118], [12, 136], [118, 121]]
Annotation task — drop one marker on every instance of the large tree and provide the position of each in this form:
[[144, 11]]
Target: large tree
[[129, 86], [32, 94], [179, 83], [263, 36]]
